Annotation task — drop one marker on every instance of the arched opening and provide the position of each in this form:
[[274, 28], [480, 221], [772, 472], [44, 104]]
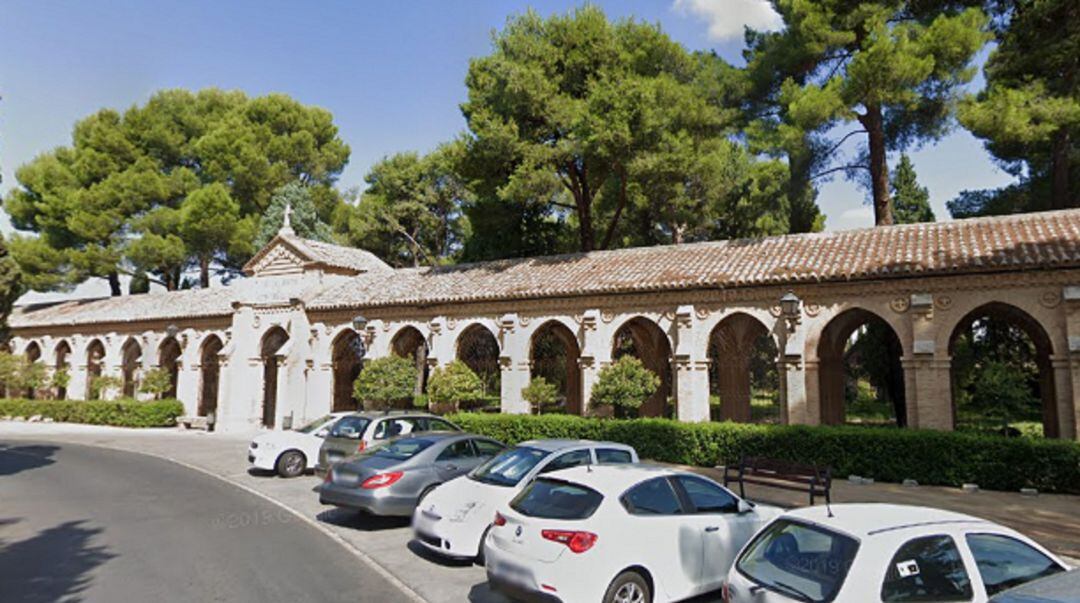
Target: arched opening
[[62, 367], [346, 362], [553, 355], [743, 381], [131, 360], [479, 350], [31, 355], [272, 342], [860, 374], [646, 341], [95, 354], [1002, 377], [210, 367], [410, 343], [169, 361]]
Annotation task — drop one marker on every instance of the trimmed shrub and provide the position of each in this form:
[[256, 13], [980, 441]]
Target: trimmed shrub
[[624, 386], [540, 394], [103, 385], [454, 383], [122, 413], [891, 455], [385, 382], [155, 382]]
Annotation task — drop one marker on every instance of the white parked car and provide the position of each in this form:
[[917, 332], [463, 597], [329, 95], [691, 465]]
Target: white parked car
[[291, 452], [880, 552], [632, 533], [453, 518]]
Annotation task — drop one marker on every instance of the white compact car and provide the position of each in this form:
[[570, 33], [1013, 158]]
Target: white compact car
[[881, 552], [632, 533], [453, 518], [290, 453]]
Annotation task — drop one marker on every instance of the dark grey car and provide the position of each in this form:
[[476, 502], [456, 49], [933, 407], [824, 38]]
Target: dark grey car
[[359, 431], [392, 478]]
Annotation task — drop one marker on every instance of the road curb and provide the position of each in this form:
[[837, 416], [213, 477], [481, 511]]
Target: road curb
[[356, 552]]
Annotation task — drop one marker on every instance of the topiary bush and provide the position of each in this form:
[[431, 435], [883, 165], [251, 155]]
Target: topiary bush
[[385, 382], [624, 386], [891, 455], [540, 394], [122, 413], [155, 382], [455, 384]]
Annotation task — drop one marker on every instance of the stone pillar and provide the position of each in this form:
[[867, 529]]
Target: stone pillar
[[1066, 417], [187, 374], [296, 360], [1067, 375], [240, 389], [595, 354], [76, 389], [798, 377], [514, 363], [691, 368]]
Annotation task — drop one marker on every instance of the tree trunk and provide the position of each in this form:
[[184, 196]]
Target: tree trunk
[[1059, 198], [204, 272], [879, 167], [421, 365], [585, 228], [114, 285]]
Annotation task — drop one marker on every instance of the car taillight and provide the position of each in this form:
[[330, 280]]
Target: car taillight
[[578, 542], [381, 480], [499, 519], [725, 593], [329, 476], [361, 446]]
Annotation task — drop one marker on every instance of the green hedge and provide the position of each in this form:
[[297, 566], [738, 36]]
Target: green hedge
[[122, 413], [886, 454]]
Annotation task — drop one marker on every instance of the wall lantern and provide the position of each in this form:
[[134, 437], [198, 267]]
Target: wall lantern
[[172, 330], [358, 323], [789, 309]]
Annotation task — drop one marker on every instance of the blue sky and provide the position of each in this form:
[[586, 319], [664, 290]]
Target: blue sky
[[392, 73]]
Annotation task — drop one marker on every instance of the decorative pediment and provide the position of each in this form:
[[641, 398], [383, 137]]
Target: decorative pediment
[[278, 258]]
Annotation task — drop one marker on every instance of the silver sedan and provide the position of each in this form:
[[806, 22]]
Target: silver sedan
[[391, 479]]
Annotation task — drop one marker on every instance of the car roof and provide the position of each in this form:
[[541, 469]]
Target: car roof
[[375, 414], [612, 480], [551, 445], [870, 519]]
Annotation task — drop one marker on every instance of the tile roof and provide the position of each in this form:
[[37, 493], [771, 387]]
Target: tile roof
[[352, 258], [1049, 240], [1040, 241]]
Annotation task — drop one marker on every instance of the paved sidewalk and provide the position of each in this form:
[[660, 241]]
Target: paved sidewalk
[[1051, 519]]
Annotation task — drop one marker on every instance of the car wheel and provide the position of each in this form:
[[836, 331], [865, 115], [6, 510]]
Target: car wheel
[[628, 587], [291, 463]]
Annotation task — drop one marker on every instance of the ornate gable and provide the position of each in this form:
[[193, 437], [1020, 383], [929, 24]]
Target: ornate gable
[[275, 259]]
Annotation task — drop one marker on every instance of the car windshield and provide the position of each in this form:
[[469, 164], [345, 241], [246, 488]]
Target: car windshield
[[801, 561], [399, 450], [317, 423], [555, 499], [508, 468], [349, 427]]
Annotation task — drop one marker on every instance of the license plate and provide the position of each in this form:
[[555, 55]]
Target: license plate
[[512, 573]]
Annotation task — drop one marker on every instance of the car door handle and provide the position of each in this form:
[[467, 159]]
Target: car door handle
[[712, 529]]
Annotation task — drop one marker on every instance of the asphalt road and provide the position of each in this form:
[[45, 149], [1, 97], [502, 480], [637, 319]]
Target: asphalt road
[[80, 523]]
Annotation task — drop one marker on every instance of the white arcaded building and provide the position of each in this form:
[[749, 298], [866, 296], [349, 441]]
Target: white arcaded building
[[279, 346]]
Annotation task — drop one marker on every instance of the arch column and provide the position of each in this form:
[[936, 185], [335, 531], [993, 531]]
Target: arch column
[[1064, 399], [187, 374], [76, 389], [514, 365], [691, 367], [928, 385], [595, 354]]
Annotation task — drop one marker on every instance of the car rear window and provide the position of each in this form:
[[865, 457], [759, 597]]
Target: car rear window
[[801, 561], [400, 450], [613, 456], [555, 499], [508, 468], [349, 427]]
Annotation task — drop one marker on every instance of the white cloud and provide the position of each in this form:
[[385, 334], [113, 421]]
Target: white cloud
[[727, 18]]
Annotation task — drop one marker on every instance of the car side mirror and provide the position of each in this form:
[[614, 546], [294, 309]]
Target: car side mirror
[[744, 507]]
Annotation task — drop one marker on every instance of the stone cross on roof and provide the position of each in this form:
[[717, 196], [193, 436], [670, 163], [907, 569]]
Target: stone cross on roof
[[286, 223]]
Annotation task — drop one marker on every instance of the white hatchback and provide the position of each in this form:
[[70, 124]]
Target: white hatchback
[[632, 533], [881, 552], [453, 518], [291, 452]]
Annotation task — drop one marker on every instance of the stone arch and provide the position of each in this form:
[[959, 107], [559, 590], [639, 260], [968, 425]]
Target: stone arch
[[409, 342], [32, 354], [554, 354], [478, 348], [346, 364], [210, 375], [834, 356], [734, 345], [1010, 316], [95, 356], [130, 362], [272, 342], [645, 340], [62, 355], [169, 361]]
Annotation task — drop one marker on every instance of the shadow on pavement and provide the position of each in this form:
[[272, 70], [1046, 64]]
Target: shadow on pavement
[[256, 472], [53, 565], [16, 459], [358, 520], [482, 593]]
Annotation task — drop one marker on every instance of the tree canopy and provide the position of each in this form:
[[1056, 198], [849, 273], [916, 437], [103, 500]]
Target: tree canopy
[[177, 182]]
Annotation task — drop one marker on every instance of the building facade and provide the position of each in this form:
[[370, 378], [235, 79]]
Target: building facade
[[281, 346]]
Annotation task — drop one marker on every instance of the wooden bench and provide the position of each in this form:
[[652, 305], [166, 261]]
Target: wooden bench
[[785, 475]]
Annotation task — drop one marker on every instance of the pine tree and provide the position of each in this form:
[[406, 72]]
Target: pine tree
[[304, 217], [911, 202]]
